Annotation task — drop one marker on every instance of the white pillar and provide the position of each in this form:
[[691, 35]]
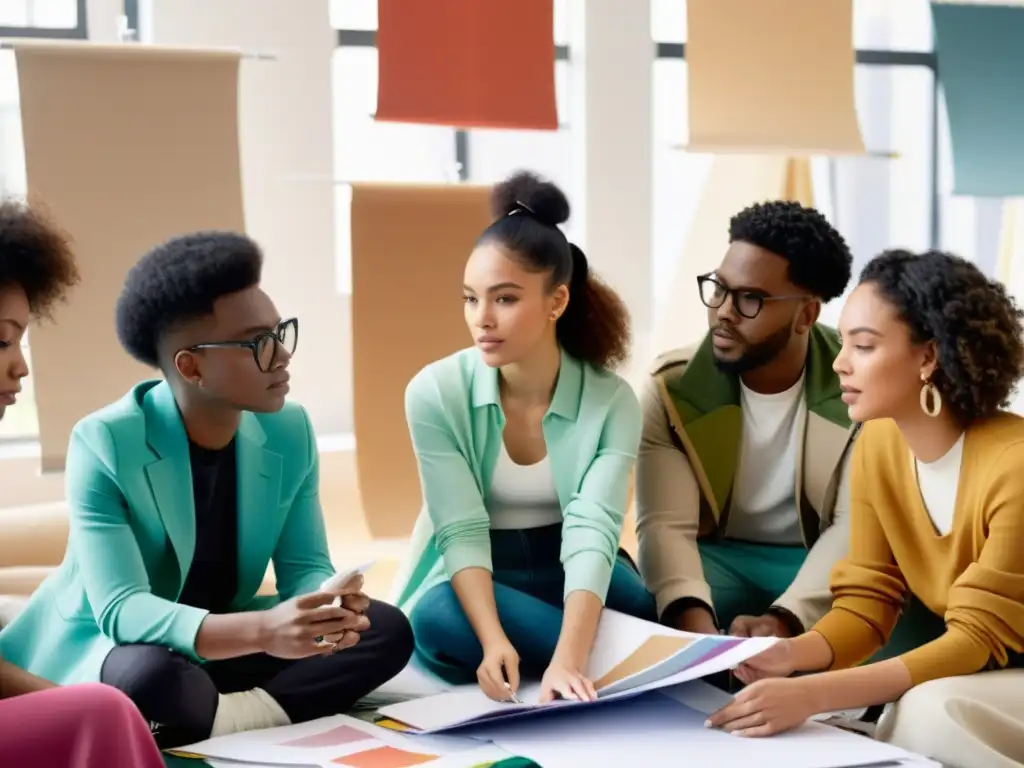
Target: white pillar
[[103, 17], [287, 147], [611, 80]]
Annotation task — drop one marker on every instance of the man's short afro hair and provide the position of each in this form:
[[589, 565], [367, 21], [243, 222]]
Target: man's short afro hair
[[35, 255], [179, 280], [819, 259]]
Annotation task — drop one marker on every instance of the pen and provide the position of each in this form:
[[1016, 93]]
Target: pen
[[508, 687], [731, 677]]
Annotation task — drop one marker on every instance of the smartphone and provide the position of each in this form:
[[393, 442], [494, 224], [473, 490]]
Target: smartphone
[[341, 578]]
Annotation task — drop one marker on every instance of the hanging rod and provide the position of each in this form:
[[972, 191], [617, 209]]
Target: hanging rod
[[7, 45]]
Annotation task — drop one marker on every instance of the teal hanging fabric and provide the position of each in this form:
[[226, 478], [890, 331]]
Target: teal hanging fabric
[[980, 53]]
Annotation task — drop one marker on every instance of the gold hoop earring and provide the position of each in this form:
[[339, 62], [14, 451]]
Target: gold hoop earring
[[931, 400]]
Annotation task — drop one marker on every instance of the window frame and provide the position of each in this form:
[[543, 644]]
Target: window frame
[[367, 38], [78, 32]]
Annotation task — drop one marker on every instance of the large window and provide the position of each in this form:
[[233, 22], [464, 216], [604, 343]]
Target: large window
[[901, 25], [367, 150], [26, 18], [370, 151], [877, 201], [898, 195], [42, 18]]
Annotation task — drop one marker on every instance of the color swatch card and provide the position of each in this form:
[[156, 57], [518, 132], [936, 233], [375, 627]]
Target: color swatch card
[[630, 656], [343, 742]]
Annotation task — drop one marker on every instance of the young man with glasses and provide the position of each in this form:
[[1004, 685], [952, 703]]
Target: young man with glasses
[[741, 486], [180, 494]]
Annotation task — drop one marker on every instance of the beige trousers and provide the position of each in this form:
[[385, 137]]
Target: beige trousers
[[974, 721]]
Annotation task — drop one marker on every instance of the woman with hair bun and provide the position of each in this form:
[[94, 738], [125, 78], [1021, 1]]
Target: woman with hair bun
[[932, 351], [525, 444]]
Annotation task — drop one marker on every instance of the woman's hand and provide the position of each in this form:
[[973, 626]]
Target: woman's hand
[[777, 661], [767, 707], [500, 660], [560, 680]]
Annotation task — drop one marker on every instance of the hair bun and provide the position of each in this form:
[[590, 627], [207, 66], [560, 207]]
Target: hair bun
[[547, 201]]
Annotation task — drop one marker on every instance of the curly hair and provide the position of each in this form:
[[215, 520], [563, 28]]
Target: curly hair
[[819, 258], [974, 323], [35, 255], [595, 327], [179, 280]]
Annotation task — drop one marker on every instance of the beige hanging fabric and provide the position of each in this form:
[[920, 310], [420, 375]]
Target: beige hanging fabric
[[772, 77], [410, 243], [126, 146]]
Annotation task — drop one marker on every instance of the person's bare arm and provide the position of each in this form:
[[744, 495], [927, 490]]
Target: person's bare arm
[[14, 681], [579, 626], [475, 589], [229, 635], [668, 518], [289, 630]]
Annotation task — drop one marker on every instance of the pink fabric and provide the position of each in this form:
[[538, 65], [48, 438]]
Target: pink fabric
[[78, 726]]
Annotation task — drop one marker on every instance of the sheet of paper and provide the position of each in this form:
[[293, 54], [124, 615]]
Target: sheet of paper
[[645, 728], [618, 636], [347, 742], [468, 706], [671, 656]]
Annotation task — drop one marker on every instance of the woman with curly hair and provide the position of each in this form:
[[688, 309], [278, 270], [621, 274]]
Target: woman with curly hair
[[932, 351], [80, 726], [525, 443]]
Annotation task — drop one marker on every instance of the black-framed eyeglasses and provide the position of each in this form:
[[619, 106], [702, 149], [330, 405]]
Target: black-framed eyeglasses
[[265, 345], [747, 303]]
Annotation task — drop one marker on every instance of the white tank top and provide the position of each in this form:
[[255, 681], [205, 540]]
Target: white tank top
[[522, 496]]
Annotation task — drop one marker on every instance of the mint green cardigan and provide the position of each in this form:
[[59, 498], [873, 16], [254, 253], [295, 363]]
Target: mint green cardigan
[[592, 430]]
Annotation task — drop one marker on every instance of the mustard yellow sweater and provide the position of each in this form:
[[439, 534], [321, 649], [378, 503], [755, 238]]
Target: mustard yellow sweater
[[973, 576]]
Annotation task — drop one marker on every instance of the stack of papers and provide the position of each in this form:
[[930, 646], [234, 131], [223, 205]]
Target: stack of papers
[[670, 721], [629, 658], [341, 742], [651, 702]]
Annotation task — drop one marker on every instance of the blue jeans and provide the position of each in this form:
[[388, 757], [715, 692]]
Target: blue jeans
[[528, 585]]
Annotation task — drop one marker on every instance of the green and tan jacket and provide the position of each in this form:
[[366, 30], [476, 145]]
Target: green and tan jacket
[[688, 459]]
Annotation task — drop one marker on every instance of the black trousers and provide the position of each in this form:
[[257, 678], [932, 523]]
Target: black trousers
[[180, 697]]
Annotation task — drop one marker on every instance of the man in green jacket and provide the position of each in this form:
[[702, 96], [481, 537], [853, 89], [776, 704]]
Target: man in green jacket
[[742, 494]]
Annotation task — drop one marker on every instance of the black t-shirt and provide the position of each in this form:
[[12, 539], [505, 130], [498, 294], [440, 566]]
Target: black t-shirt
[[213, 577]]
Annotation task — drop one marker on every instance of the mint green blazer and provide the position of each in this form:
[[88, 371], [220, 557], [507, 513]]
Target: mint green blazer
[[592, 430], [132, 533]]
